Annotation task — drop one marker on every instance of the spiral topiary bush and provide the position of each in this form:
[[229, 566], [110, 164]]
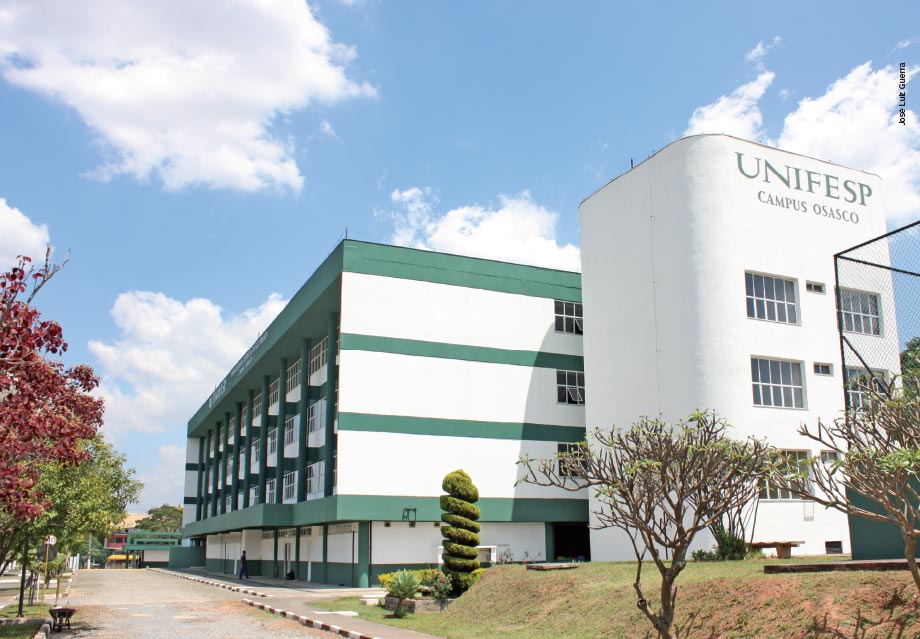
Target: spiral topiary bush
[[461, 532]]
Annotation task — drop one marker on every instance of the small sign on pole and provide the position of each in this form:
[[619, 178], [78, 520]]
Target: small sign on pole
[[51, 540]]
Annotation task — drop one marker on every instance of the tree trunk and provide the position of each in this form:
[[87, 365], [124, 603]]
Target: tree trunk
[[666, 619], [910, 550]]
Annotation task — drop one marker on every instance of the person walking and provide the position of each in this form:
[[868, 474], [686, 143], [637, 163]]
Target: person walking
[[244, 567]]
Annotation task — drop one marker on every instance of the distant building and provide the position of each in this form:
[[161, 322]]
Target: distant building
[[115, 542], [323, 450]]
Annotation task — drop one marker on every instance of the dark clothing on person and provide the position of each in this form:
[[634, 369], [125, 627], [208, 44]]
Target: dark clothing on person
[[244, 567]]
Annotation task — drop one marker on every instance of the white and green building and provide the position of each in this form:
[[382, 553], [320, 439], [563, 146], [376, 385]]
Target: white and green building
[[323, 450]]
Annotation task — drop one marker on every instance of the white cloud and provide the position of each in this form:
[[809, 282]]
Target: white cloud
[[735, 114], [20, 236], [519, 230], [326, 129], [186, 91], [903, 44], [854, 123], [168, 358], [164, 479], [757, 53]]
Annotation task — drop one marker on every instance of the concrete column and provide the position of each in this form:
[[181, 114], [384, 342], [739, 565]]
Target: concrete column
[[247, 452], [263, 439], [302, 434], [206, 500], [363, 572], [297, 529], [215, 466], [237, 457], [223, 464], [199, 497], [332, 377], [282, 416]]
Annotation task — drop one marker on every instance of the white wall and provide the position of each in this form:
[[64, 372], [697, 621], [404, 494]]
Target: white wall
[[417, 464], [411, 309], [399, 543], [664, 252], [391, 384]]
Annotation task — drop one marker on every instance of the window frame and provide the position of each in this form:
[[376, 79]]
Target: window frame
[[289, 487], [803, 460], [767, 303], [572, 469], [272, 441], [568, 315], [758, 385], [863, 396], [270, 491], [567, 392], [853, 314]]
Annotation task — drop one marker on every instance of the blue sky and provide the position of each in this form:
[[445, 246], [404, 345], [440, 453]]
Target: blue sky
[[199, 159]]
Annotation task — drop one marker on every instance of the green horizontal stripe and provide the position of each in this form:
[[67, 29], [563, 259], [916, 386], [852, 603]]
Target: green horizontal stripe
[[190, 500], [354, 342], [348, 508], [459, 428], [459, 270], [191, 466]]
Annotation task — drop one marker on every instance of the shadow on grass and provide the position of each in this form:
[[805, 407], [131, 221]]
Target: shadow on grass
[[891, 625]]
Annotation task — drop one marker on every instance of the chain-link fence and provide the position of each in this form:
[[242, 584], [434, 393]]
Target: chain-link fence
[[878, 295]]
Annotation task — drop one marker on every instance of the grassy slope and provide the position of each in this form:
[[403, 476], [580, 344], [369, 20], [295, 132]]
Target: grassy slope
[[726, 600]]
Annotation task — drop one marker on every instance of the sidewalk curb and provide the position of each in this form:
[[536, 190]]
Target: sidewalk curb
[[307, 621], [211, 582]]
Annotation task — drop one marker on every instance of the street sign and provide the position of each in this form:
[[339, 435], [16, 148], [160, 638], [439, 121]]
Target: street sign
[[51, 540]]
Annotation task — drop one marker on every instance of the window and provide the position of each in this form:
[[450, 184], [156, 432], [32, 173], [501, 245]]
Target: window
[[814, 287], [862, 385], [293, 376], [272, 441], [570, 387], [572, 463], [244, 421], [270, 491], [316, 416], [859, 312], [823, 369], [273, 392], [230, 469], [770, 298], [290, 487], [777, 383], [254, 450], [797, 461], [290, 430], [315, 478], [318, 355], [227, 504], [568, 317], [257, 405], [253, 495], [239, 499], [335, 469], [829, 456], [231, 426]]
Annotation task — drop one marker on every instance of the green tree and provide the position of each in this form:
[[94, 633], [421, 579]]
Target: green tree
[[461, 557], [85, 498], [910, 362], [166, 518]]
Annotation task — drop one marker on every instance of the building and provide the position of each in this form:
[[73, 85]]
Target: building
[[116, 540], [708, 281], [323, 450]]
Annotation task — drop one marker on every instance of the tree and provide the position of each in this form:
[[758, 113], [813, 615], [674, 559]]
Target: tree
[[461, 538], [166, 518], [910, 361], [872, 462], [45, 410], [83, 499], [661, 485]]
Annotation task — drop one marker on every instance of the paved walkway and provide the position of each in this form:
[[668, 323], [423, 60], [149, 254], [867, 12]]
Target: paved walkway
[[141, 604], [299, 600]]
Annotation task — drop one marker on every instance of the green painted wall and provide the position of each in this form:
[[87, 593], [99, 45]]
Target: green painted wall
[[873, 539], [186, 556], [459, 428]]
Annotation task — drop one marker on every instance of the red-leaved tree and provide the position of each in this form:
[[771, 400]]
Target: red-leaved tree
[[46, 411]]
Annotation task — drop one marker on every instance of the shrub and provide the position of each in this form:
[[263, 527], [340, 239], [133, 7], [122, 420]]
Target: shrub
[[461, 532], [404, 585]]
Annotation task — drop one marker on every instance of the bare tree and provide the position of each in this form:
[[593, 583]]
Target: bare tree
[[661, 485], [873, 453]]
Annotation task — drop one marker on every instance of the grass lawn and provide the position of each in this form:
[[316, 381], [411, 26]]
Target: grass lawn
[[725, 600], [19, 631], [9, 611]]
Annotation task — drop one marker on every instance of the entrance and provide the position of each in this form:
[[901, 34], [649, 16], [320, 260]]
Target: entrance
[[572, 541]]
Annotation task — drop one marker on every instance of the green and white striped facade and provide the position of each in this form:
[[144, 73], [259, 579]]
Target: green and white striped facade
[[324, 448]]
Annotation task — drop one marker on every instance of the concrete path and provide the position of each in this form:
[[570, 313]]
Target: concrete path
[[301, 601], [141, 604]]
